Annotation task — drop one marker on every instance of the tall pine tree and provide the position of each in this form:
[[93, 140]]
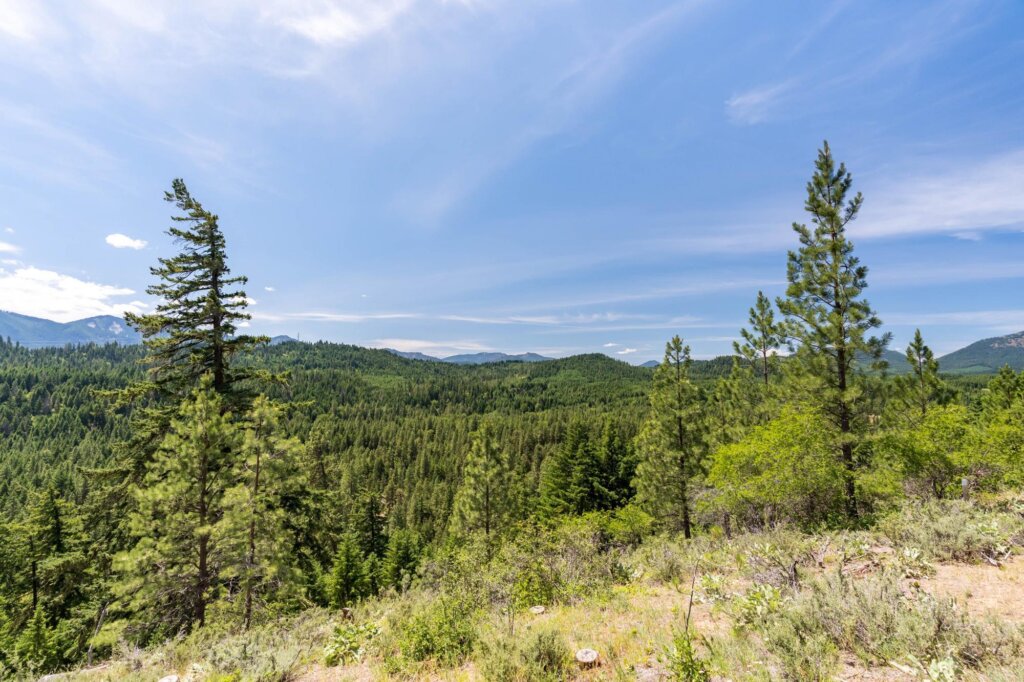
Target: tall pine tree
[[483, 502], [922, 388], [828, 318], [253, 531], [762, 340], [193, 331], [171, 572], [670, 445]]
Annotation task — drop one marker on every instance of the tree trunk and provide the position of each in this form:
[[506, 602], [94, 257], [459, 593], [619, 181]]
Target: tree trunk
[[845, 429]]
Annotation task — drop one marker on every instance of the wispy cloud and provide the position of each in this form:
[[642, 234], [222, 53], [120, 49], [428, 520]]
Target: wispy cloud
[[756, 105], [8, 248], [964, 199], [559, 104], [1002, 321], [55, 296], [436, 348], [333, 316], [626, 351], [123, 241]]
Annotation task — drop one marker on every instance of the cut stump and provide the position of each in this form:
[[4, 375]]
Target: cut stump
[[587, 658]]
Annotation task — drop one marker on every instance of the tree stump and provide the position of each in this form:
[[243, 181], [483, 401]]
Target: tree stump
[[587, 658], [537, 610]]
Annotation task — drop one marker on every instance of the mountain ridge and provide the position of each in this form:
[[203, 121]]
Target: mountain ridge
[[37, 332], [985, 356]]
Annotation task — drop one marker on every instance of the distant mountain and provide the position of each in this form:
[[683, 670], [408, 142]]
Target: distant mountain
[[282, 338], [470, 358], [485, 358], [650, 363], [408, 355], [35, 332], [986, 356]]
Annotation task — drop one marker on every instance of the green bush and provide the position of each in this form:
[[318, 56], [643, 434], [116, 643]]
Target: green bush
[[542, 657], [682, 661], [880, 620], [757, 606], [348, 643], [803, 656], [442, 629], [953, 530]]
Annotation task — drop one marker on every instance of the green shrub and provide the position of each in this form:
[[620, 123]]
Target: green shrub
[[953, 530], [542, 657], [682, 661], [803, 656], [757, 606], [880, 620], [348, 643], [442, 629]]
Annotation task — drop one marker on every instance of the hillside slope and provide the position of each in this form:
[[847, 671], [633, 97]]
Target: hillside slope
[[986, 356]]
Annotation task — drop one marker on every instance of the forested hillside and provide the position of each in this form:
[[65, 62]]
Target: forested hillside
[[211, 485]]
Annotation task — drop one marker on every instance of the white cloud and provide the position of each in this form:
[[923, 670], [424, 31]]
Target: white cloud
[[270, 289], [968, 236], [332, 24], [334, 317], [610, 345], [436, 348], [626, 351], [51, 295], [123, 241], [9, 230], [8, 248], [754, 106], [962, 200], [22, 20]]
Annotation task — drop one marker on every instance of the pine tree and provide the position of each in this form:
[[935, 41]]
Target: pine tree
[[193, 331], [737, 403], [172, 569], [671, 441], [574, 479], [762, 340], [369, 521], [617, 466], [347, 582], [923, 387], [36, 647], [400, 559], [484, 500], [253, 533], [827, 318]]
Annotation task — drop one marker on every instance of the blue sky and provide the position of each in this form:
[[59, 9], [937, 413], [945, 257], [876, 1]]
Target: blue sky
[[561, 177]]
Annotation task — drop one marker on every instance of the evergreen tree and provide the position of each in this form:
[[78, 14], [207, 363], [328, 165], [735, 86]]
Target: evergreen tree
[[618, 466], [347, 582], [1004, 391], [192, 333], [576, 478], [484, 500], [762, 340], [735, 404], [400, 559], [923, 387], [828, 319], [671, 442], [369, 521], [36, 647], [253, 532], [171, 572]]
